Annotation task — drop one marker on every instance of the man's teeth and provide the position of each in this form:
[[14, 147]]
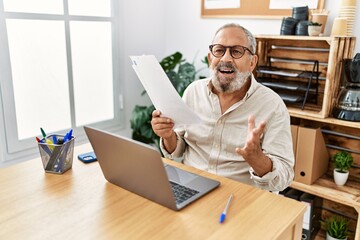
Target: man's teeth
[[226, 71]]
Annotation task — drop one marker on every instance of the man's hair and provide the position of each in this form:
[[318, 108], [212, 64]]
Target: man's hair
[[250, 37]]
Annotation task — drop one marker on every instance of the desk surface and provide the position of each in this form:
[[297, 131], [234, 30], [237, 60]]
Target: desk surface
[[81, 204]]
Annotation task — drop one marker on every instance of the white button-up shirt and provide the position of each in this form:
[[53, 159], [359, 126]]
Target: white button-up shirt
[[211, 145]]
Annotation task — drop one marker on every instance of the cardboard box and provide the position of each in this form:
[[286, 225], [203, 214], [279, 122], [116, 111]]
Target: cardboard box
[[294, 134], [312, 158]]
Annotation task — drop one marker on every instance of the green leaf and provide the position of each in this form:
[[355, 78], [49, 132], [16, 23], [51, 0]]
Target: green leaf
[[206, 61], [336, 227], [170, 62], [342, 161]]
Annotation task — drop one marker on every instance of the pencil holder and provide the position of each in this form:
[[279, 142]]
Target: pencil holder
[[56, 158]]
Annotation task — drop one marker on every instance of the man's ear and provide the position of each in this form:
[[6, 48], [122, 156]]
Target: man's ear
[[253, 62], [209, 59]]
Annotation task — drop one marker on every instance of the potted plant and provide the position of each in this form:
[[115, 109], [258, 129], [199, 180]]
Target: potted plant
[[342, 163], [181, 73], [314, 29], [336, 228]]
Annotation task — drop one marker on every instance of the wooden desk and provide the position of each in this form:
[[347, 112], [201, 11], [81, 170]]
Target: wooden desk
[[81, 204]]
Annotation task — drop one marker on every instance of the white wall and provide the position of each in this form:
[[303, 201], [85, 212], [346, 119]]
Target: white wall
[[143, 31]]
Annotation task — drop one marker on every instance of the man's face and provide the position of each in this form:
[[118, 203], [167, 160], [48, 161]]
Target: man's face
[[229, 74]]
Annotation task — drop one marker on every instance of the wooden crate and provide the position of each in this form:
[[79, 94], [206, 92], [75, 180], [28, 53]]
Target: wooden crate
[[296, 52]]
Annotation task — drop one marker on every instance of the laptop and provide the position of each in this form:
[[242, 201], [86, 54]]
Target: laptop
[[138, 168]]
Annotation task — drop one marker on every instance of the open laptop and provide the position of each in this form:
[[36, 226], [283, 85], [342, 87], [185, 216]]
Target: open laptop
[[138, 168]]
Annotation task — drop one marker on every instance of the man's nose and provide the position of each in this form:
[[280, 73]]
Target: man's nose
[[227, 56]]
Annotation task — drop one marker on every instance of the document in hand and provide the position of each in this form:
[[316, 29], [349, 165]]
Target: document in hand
[[161, 92]]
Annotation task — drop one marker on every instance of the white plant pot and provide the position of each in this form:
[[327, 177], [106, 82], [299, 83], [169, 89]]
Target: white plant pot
[[328, 237], [314, 30], [340, 178]]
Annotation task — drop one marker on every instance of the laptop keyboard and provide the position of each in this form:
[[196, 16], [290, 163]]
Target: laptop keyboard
[[182, 193]]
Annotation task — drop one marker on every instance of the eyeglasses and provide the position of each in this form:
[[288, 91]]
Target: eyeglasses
[[236, 51]]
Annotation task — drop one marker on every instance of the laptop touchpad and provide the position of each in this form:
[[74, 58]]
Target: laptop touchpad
[[178, 175]]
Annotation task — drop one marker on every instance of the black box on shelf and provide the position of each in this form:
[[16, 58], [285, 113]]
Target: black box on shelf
[[311, 223], [294, 194]]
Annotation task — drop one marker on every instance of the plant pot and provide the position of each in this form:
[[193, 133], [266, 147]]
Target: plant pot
[[340, 178], [328, 237], [314, 30]]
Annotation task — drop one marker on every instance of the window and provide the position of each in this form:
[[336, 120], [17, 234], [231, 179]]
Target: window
[[57, 67]]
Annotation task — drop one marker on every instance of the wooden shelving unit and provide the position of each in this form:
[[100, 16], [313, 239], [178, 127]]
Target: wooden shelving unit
[[324, 187], [329, 51], [298, 53]]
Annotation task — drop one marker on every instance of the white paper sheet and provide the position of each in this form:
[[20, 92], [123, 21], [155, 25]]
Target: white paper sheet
[[161, 92], [287, 4], [221, 4]]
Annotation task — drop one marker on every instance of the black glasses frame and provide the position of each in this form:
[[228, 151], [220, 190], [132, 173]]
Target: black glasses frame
[[231, 50]]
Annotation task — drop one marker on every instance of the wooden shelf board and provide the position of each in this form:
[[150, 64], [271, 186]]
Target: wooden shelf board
[[326, 188], [321, 235], [315, 117], [295, 37]]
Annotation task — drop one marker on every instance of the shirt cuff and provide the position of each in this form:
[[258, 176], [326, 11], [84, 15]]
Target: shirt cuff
[[177, 150], [267, 177]]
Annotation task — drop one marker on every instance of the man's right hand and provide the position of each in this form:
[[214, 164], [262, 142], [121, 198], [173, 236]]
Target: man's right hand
[[163, 127]]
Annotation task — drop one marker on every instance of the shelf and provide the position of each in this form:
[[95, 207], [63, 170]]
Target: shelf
[[292, 55], [291, 98], [286, 72], [290, 86], [295, 91], [278, 72], [294, 112], [296, 37], [287, 68], [325, 187]]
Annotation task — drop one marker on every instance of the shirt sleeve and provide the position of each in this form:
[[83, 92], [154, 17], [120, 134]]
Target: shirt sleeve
[[278, 179], [179, 150], [277, 146]]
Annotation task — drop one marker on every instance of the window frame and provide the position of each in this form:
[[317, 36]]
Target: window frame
[[16, 148]]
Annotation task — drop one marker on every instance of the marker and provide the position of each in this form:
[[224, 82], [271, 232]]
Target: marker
[[223, 214], [68, 136], [43, 132], [50, 144], [54, 139], [37, 139]]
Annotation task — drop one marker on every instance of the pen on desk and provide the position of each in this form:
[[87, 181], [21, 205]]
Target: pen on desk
[[223, 214]]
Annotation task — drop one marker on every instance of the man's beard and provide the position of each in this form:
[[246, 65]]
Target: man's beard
[[228, 84]]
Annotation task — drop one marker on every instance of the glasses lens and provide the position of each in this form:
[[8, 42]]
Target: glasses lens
[[218, 50], [237, 51]]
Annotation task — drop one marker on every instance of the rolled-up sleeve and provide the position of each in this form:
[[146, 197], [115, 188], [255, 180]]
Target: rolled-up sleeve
[[278, 179], [179, 150], [277, 146]]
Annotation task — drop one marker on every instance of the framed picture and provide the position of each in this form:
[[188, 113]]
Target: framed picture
[[267, 9]]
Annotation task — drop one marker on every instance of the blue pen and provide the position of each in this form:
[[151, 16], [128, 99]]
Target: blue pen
[[223, 214]]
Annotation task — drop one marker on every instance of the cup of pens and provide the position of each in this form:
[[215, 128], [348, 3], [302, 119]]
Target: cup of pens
[[56, 152]]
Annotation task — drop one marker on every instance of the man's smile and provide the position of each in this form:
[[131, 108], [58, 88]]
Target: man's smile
[[226, 70]]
